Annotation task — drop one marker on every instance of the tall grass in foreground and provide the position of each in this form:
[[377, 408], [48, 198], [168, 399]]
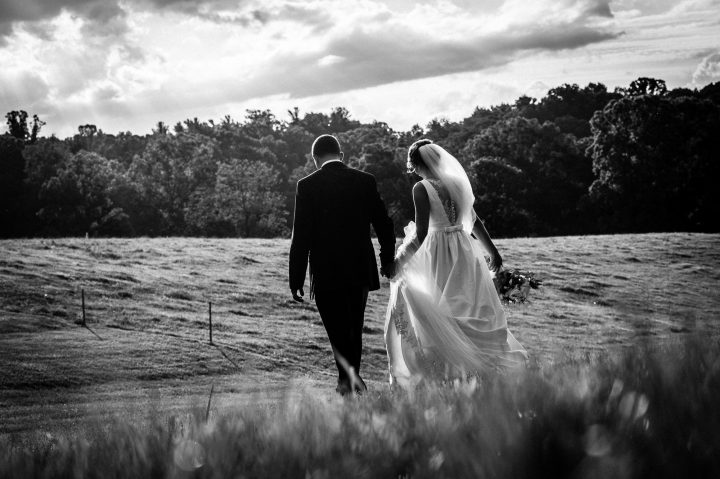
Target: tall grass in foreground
[[651, 412]]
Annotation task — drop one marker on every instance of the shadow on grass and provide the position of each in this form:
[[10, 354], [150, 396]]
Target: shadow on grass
[[92, 331], [225, 355]]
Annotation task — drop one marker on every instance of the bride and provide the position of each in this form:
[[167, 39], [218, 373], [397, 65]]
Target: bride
[[445, 319]]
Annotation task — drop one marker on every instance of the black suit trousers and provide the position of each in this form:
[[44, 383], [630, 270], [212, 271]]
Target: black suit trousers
[[343, 313]]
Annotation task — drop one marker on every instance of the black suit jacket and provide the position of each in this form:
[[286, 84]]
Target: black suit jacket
[[334, 208]]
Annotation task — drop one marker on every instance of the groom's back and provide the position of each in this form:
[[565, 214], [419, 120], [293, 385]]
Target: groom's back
[[340, 195], [340, 204]]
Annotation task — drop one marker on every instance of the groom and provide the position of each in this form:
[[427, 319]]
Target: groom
[[334, 208]]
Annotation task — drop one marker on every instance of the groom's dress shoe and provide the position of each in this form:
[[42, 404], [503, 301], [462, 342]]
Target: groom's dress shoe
[[343, 388], [360, 386]]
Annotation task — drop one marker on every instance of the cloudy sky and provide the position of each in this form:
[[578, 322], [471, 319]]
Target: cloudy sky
[[126, 64]]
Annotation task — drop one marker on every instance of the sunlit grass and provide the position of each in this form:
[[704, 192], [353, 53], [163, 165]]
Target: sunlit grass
[[651, 412]]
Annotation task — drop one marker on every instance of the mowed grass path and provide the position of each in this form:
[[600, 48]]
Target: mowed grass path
[[147, 312]]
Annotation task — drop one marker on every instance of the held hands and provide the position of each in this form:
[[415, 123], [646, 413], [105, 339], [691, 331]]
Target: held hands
[[388, 270], [496, 261]]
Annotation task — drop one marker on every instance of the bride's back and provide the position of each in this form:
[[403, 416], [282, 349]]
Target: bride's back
[[443, 211]]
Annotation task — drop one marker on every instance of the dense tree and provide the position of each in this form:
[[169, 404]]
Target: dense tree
[[711, 92], [553, 171], [340, 121], [204, 217], [354, 141], [246, 195], [656, 162], [377, 149], [500, 192], [647, 86], [18, 127], [42, 159], [261, 123], [388, 165], [85, 138], [78, 198], [569, 106], [12, 175], [167, 174], [161, 129], [531, 163], [16, 212], [121, 147]]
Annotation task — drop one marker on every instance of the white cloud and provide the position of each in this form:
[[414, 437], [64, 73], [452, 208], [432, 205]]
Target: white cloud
[[100, 15], [126, 64], [329, 60], [708, 71]]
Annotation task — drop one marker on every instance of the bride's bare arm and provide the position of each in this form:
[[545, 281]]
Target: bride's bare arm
[[422, 211], [481, 233], [422, 220]]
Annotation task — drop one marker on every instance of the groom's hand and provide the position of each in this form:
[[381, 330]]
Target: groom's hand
[[298, 294], [388, 270]]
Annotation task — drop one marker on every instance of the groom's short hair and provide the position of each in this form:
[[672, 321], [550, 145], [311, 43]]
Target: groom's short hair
[[325, 145]]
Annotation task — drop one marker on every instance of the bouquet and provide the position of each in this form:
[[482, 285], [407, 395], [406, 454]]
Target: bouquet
[[513, 285]]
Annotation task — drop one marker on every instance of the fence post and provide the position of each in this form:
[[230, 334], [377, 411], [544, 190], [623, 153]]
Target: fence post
[[210, 319], [82, 294]]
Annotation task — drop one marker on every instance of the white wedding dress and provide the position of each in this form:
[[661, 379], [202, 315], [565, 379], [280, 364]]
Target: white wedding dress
[[445, 319]]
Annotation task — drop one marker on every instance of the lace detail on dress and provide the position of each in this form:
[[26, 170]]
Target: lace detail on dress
[[402, 325], [401, 322], [447, 204], [431, 364]]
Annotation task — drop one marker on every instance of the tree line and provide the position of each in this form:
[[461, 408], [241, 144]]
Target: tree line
[[580, 160]]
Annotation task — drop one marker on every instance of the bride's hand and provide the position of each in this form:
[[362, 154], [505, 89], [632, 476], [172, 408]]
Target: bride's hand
[[389, 270], [397, 266], [496, 261]]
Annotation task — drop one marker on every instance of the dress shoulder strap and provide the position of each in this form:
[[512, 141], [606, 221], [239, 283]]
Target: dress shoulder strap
[[431, 191], [447, 205]]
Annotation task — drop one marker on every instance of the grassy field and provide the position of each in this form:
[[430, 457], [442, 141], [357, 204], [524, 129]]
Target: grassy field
[[647, 412], [146, 346]]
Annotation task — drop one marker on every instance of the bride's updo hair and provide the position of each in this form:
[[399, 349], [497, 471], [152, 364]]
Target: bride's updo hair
[[414, 159]]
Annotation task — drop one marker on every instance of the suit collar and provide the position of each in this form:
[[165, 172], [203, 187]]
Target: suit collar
[[332, 164]]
